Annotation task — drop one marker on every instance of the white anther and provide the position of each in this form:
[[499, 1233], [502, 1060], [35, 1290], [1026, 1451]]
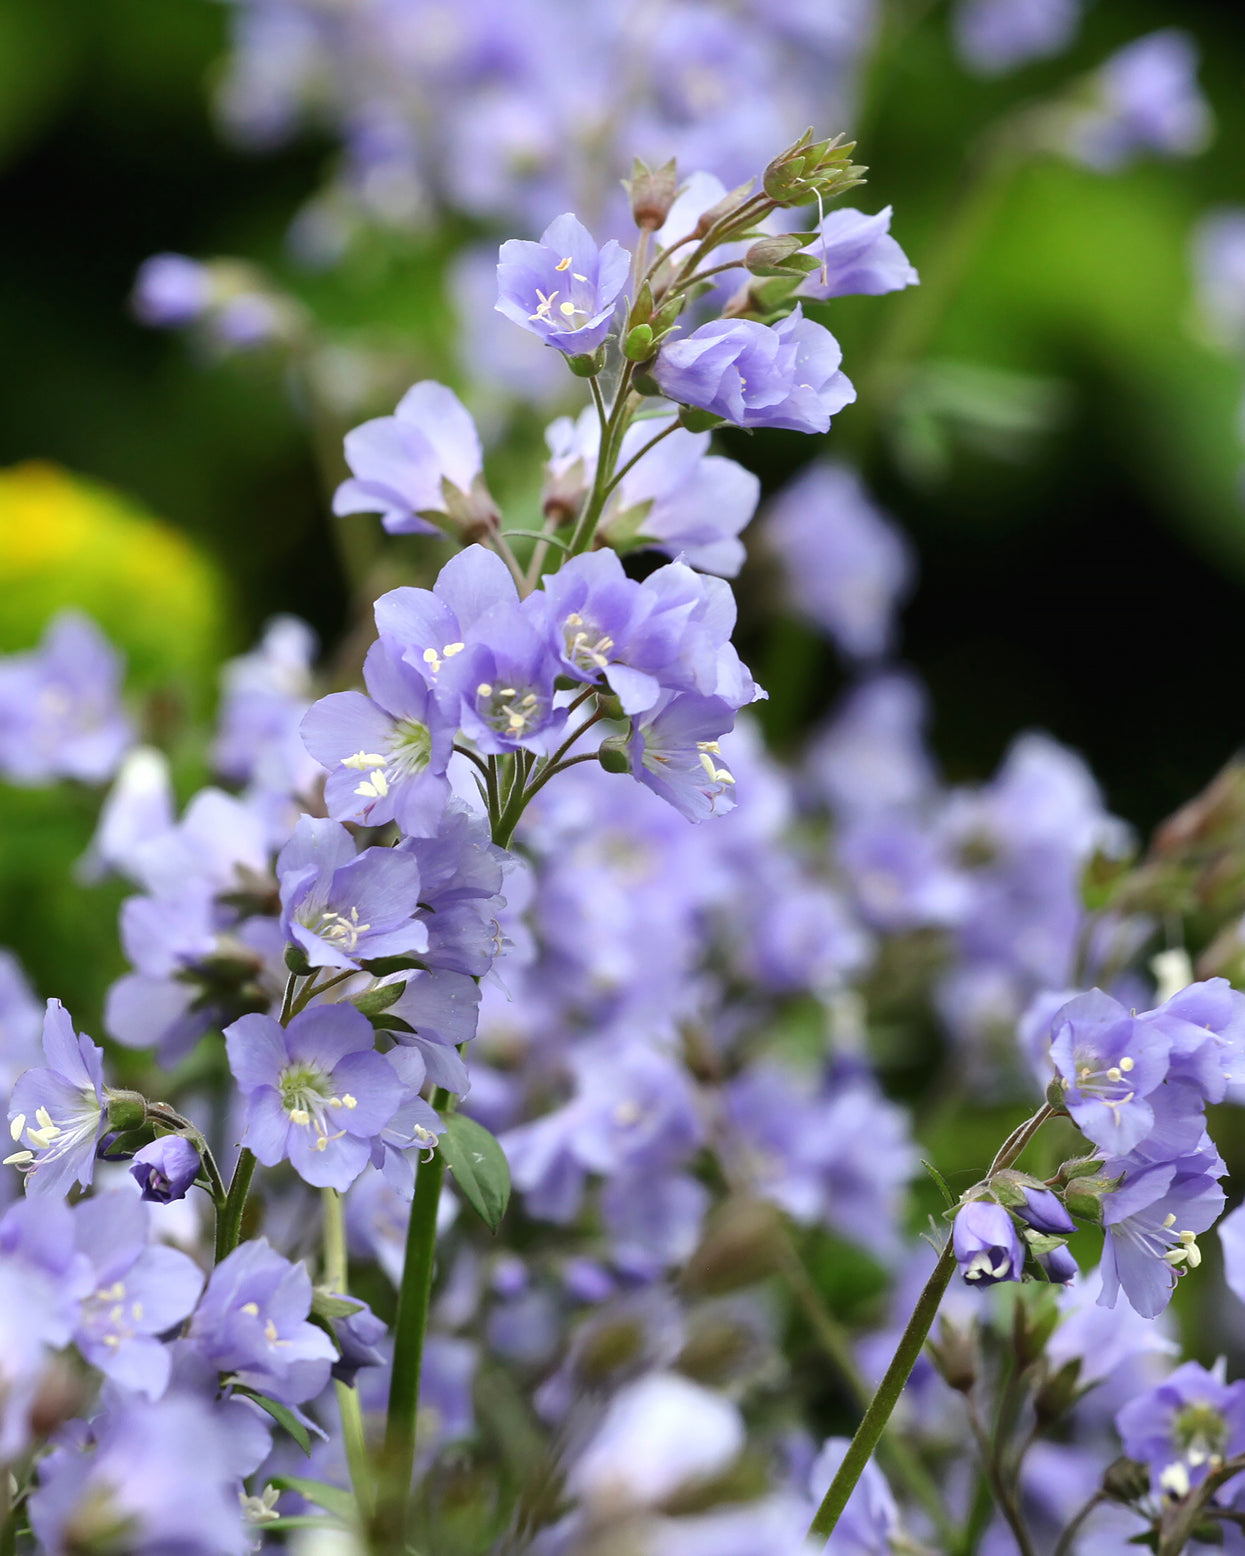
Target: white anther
[[374, 788], [16, 1127], [251, 1308], [1126, 1064], [299, 1116], [363, 761]]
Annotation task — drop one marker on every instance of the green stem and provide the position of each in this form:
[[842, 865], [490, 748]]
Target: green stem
[[860, 1451], [229, 1218], [651, 444], [612, 430], [1064, 1548], [336, 1278], [862, 1445], [895, 1455], [314, 988], [1003, 1498], [414, 1297]]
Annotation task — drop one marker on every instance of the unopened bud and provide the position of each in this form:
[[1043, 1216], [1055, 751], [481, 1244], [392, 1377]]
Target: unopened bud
[[613, 756], [296, 961], [1057, 1394], [652, 193], [954, 1354], [1035, 1312], [638, 346], [1126, 1480], [696, 420], [1055, 1093], [721, 213], [743, 1243], [126, 1110], [1083, 1198], [589, 364], [780, 256], [1079, 1167]]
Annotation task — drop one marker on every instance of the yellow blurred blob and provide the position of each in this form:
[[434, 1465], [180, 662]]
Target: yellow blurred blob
[[65, 540]]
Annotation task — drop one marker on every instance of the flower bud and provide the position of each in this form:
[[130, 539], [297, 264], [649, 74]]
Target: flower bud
[[126, 1110], [954, 1354], [1057, 1393], [811, 168], [638, 345], [652, 193], [780, 256], [296, 961], [697, 420], [1126, 1480], [613, 756], [166, 1169], [1084, 1196], [589, 364]]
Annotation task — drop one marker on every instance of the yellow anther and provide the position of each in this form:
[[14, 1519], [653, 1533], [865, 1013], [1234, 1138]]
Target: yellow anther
[[136, 1311], [44, 1119], [299, 1116], [1126, 1064], [1115, 1074], [270, 1332], [19, 1159], [484, 689], [251, 1308], [451, 649], [1169, 1220], [374, 788], [348, 1101], [16, 1127], [563, 264], [322, 1142], [567, 310], [363, 761]]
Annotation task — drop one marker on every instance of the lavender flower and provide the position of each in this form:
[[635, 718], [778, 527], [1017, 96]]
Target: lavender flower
[[674, 751], [859, 258], [1148, 102], [341, 908], [987, 1247], [252, 1324], [425, 459], [316, 1091], [150, 1478], [1219, 264], [139, 1292], [166, 1169], [1191, 1422], [171, 290], [56, 1115], [60, 710], [563, 288], [1110, 1064], [757, 375], [386, 753], [846, 565], [993, 37], [1152, 1221]]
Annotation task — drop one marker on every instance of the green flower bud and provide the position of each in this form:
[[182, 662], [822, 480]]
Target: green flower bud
[[638, 346], [589, 364], [126, 1110], [613, 756]]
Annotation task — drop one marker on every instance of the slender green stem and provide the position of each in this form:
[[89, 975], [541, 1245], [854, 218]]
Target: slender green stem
[[287, 1002], [473, 756], [895, 1455], [862, 1445], [652, 443], [314, 988], [337, 1278], [1003, 1498], [1064, 1548], [860, 1451], [613, 427], [410, 1323], [229, 1218]]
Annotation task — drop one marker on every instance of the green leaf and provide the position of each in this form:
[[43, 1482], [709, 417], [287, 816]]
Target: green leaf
[[328, 1305], [940, 1181], [373, 1001], [283, 1416], [480, 1166], [300, 1521], [333, 1499], [381, 966], [387, 1022]]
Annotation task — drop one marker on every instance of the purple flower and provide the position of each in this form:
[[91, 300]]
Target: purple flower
[[758, 375], [859, 258], [316, 1092], [56, 1115], [1044, 1212], [1219, 263], [995, 36], [503, 684], [341, 908], [1152, 1221], [846, 565], [1148, 102], [171, 290], [386, 753], [158, 1477], [674, 751], [987, 1247], [1110, 1064], [60, 709], [140, 1291], [1190, 1422], [264, 694], [252, 1324], [1205, 1023], [166, 1169], [563, 288], [403, 464]]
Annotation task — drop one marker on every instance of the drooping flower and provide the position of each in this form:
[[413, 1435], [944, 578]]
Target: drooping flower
[[317, 1094], [758, 375], [166, 1169], [425, 459], [987, 1245], [857, 257], [56, 1114], [673, 750], [563, 288]]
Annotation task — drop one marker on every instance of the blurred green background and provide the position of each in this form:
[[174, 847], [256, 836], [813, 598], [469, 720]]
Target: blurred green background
[[1085, 575]]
